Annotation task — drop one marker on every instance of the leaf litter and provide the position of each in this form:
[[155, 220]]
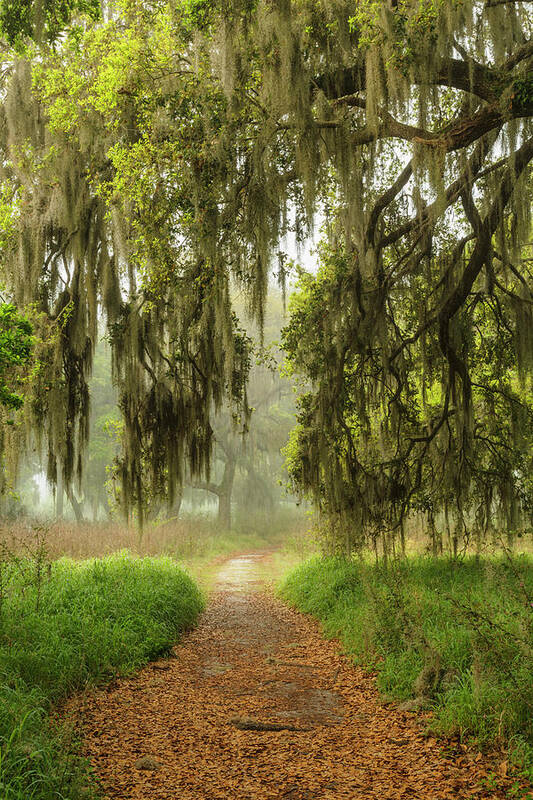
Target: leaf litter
[[255, 704]]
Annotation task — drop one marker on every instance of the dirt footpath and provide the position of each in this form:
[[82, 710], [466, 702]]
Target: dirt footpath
[[256, 704]]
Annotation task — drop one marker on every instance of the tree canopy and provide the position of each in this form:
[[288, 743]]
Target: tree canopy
[[155, 157]]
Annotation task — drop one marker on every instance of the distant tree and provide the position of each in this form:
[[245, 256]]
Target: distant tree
[[103, 446], [248, 462]]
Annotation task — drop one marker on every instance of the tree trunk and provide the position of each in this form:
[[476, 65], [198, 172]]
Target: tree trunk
[[434, 538], [385, 542], [59, 495], [375, 546], [76, 506], [224, 494], [224, 511], [173, 511]]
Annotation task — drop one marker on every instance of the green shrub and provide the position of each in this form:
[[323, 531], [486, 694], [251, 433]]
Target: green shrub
[[84, 622], [457, 635]]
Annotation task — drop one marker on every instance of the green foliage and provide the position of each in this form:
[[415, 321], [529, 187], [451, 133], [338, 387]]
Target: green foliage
[[9, 211], [85, 622], [457, 636], [16, 342], [522, 95], [42, 19], [402, 34]]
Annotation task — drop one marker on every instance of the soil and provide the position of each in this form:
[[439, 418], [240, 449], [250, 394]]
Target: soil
[[255, 704]]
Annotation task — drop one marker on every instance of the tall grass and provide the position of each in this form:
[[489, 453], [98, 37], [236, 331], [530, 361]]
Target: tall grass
[[453, 636], [190, 537], [71, 625]]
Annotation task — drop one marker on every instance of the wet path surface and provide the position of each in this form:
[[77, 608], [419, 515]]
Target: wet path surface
[[256, 704]]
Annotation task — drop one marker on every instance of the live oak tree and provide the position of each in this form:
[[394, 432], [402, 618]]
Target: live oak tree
[[157, 158], [341, 455], [417, 332], [417, 120], [101, 224]]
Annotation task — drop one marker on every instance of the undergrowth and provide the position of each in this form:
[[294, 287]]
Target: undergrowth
[[64, 625], [453, 636]]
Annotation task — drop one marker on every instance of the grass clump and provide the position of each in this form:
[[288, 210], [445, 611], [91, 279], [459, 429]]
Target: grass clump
[[454, 636], [63, 628]]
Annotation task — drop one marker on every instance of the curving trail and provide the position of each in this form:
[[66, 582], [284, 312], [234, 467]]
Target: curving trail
[[192, 727]]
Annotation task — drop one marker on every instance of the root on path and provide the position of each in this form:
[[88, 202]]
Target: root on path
[[312, 724]]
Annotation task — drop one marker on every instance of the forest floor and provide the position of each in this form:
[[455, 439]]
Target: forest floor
[[254, 703]]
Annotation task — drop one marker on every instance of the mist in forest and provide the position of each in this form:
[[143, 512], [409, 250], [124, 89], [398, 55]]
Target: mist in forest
[[244, 490]]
